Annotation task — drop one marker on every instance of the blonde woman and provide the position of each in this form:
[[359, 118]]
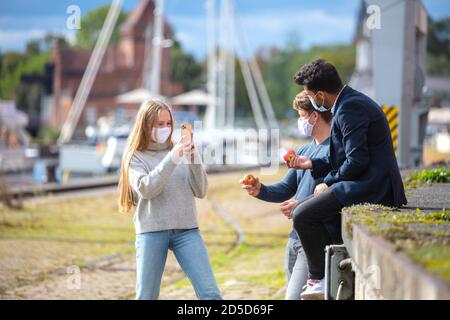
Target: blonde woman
[[161, 186]]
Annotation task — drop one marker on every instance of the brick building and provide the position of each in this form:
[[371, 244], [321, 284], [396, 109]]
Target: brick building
[[121, 70]]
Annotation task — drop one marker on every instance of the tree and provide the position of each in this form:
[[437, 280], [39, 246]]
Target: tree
[[439, 36], [438, 45], [91, 25], [284, 62], [33, 47], [184, 68], [48, 41], [10, 75], [15, 64]]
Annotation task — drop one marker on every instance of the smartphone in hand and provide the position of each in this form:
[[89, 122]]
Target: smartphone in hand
[[186, 131]]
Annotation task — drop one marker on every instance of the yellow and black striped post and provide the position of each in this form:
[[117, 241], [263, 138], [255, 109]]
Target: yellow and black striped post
[[391, 113]]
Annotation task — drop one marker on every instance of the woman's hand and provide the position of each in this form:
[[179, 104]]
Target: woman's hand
[[188, 149], [287, 207], [300, 162], [179, 148], [252, 190]]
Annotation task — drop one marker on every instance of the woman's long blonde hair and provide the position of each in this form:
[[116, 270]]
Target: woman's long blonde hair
[[139, 140]]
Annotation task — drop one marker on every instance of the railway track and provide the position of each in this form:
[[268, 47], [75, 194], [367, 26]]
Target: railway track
[[30, 190]]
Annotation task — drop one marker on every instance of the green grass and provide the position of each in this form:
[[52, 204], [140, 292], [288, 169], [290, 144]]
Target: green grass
[[258, 262], [45, 237], [259, 269], [48, 236], [437, 175], [71, 220], [265, 236]]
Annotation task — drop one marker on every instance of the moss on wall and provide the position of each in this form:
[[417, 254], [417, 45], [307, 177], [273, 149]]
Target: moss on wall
[[423, 236]]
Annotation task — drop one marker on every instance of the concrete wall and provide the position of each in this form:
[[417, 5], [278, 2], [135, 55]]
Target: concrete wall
[[399, 53], [382, 272]]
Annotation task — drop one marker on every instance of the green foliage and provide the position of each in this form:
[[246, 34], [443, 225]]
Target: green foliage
[[33, 47], [184, 68], [438, 64], [279, 67], [47, 136], [91, 25], [9, 75], [440, 174], [439, 36], [14, 65], [438, 60], [285, 62]]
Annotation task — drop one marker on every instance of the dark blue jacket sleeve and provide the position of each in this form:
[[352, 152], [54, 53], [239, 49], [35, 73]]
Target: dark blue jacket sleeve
[[320, 166], [281, 191], [354, 125]]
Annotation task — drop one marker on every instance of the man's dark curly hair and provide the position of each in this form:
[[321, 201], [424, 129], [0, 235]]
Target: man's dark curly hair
[[319, 75]]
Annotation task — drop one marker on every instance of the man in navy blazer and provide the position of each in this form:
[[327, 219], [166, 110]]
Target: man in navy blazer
[[361, 166]]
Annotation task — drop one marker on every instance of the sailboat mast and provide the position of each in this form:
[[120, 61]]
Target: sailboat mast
[[231, 57], [157, 46], [210, 117]]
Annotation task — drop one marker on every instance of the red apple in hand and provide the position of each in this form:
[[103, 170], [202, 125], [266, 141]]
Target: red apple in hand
[[249, 180], [288, 156]]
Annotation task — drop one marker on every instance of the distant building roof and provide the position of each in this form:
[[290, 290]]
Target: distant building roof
[[138, 96], [435, 84], [194, 97], [439, 116]]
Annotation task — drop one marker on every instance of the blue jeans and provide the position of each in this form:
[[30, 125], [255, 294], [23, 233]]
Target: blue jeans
[[296, 269], [191, 254]]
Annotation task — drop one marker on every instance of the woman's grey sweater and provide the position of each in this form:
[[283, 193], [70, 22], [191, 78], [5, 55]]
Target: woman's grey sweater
[[165, 190]]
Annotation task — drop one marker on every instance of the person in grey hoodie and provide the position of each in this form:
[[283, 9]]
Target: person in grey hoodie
[[161, 181]]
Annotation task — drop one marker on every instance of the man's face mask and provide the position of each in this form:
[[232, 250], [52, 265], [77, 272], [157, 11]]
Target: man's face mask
[[321, 108]]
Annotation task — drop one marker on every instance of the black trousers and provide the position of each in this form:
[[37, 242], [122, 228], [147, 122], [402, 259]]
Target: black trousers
[[309, 219]]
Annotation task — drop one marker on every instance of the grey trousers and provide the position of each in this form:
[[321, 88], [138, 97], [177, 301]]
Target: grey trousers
[[296, 268]]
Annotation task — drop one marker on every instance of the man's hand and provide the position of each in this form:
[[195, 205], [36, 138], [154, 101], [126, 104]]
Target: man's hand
[[287, 207], [252, 190], [300, 162], [320, 188]]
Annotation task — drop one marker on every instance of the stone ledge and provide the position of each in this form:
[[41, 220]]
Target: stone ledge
[[382, 269]]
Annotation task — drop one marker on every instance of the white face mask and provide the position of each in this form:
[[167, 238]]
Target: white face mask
[[161, 135], [321, 108], [305, 127]]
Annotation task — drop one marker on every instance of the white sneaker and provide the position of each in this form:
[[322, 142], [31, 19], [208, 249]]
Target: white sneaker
[[314, 290]]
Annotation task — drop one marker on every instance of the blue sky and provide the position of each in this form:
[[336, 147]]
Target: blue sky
[[265, 22]]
